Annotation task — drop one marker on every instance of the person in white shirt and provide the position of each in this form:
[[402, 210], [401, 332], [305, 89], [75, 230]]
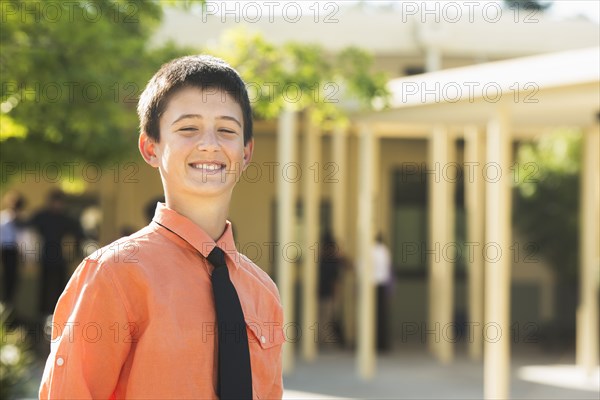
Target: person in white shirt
[[10, 229], [382, 265]]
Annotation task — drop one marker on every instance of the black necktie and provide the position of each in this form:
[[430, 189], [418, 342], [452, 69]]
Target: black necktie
[[234, 378]]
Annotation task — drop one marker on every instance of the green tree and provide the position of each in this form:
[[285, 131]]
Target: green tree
[[303, 75], [547, 199], [71, 74]]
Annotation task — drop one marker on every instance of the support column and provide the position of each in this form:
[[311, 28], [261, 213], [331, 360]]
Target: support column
[[311, 200], [365, 231], [496, 362], [286, 211], [338, 196], [475, 210], [587, 310], [433, 58], [442, 175], [339, 149]]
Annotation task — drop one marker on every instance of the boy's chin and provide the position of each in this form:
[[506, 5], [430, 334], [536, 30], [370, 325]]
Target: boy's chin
[[211, 189]]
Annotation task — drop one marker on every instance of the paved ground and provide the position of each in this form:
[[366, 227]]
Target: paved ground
[[412, 374], [409, 373]]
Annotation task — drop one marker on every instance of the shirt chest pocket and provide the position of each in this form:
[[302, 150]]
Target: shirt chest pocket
[[265, 339]]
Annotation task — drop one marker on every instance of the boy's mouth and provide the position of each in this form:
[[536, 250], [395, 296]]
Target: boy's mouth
[[208, 167]]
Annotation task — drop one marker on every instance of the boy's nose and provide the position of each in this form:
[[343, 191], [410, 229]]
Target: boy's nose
[[208, 140]]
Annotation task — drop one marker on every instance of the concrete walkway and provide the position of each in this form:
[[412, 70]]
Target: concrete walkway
[[410, 373]]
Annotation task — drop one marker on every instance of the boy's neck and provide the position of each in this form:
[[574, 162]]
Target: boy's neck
[[210, 215]]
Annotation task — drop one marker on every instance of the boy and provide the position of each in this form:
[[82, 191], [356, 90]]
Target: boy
[[150, 316]]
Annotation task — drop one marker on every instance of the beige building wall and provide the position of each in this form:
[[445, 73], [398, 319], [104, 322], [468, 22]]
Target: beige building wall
[[123, 196], [394, 154], [251, 210], [254, 197]]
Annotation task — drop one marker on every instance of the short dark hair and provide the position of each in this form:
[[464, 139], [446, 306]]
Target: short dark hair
[[199, 71], [56, 194], [14, 200]]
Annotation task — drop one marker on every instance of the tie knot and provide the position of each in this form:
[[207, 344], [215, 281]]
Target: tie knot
[[217, 258]]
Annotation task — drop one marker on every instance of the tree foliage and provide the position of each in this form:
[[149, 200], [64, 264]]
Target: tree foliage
[[547, 199], [303, 75], [16, 356], [72, 73]]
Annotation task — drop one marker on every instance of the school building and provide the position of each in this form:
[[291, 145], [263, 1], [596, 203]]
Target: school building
[[432, 173]]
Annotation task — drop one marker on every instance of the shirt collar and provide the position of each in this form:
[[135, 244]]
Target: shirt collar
[[193, 234]]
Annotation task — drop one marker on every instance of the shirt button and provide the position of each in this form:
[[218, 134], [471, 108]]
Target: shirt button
[[60, 361], [262, 339]]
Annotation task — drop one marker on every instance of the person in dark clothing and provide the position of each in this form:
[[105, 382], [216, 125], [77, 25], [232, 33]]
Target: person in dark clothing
[[54, 225], [330, 263]]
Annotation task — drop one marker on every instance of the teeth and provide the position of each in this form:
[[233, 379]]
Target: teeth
[[208, 167]]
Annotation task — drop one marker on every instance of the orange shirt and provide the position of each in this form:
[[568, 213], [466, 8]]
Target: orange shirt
[[137, 319]]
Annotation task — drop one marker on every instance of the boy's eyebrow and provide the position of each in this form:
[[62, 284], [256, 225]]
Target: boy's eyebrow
[[227, 117]]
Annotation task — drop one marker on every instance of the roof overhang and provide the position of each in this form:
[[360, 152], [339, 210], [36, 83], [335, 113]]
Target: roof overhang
[[560, 89]]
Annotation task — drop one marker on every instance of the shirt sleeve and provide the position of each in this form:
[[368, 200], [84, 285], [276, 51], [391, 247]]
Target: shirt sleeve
[[277, 390], [89, 337]]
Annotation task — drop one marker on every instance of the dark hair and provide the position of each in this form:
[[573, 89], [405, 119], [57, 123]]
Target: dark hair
[[199, 71], [56, 194], [14, 200]]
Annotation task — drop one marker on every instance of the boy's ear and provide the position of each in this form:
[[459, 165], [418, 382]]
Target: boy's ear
[[147, 146], [248, 150]]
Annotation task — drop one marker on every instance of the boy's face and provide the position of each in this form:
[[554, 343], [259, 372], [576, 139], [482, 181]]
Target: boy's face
[[201, 150]]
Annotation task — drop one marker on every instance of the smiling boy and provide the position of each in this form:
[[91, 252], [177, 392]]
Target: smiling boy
[[144, 316]]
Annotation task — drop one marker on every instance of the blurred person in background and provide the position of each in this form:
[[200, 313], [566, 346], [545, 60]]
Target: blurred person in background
[[11, 226], [382, 274], [53, 225], [330, 265], [150, 207]]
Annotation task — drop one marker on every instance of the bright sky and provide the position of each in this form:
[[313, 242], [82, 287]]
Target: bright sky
[[560, 8], [569, 8]]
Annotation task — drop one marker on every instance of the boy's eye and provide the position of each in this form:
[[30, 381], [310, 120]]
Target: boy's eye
[[227, 130], [188, 131]]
